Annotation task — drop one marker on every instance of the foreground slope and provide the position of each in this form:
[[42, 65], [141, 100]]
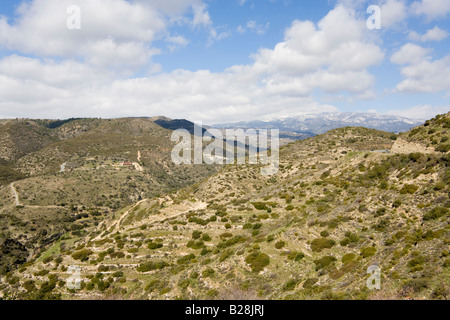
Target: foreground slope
[[340, 203]]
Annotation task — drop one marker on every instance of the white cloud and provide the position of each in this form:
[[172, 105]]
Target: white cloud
[[257, 28], [420, 112], [393, 12], [176, 42], [332, 56], [253, 26], [113, 32], [431, 8], [409, 53], [435, 34], [170, 7], [421, 73], [201, 16]]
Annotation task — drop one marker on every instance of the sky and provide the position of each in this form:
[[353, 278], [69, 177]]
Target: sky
[[217, 61]]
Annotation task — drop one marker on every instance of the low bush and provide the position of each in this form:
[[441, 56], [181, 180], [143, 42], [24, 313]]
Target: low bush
[[324, 262], [82, 255], [435, 213], [320, 244], [409, 188], [280, 244], [257, 261], [368, 252], [151, 265]]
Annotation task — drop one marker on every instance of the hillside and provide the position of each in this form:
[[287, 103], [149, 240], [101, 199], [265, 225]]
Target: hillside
[[430, 137], [76, 172], [340, 203]]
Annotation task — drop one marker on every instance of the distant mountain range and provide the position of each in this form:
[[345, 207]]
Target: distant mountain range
[[309, 125]]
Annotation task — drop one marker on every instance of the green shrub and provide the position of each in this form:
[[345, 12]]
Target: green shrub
[[260, 205], [310, 282], [200, 221], [397, 203], [231, 242], [296, 256], [195, 244], [324, 262], [226, 235], [415, 264], [102, 268], [118, 274], [280, 244], [409, 188], [41, 273], [435, 213], [320, 244], [446, 263], [209, 272], [416, 285], [380, 212], [257, 261], [443, 147], [151, 265], [82, 255], [47, 259], [225, 255], [368, 252], [439, 186], [247, 226], [186, 259], [154, 245], [29, 285], [103, 285], [206, 237], [196, 234], [257, 226], [324, 234], [349, 257], [117, 254], [290, 285]]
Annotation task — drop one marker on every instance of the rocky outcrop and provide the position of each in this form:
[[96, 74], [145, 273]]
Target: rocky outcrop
[[403, 146]]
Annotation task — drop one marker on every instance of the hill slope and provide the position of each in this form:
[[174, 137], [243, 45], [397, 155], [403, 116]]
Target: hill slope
[[340, 203], [79, 171]]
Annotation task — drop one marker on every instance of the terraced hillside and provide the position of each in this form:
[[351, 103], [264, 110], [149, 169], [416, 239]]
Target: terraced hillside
[[341, 202]]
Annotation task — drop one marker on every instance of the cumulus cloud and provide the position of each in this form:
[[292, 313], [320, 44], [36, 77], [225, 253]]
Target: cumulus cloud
[[113, 32], [421, 72], [431, 8], [393, 12], [332, 55], [435, 34], [409, 53]]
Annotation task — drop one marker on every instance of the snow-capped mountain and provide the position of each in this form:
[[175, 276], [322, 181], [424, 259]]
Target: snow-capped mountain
[[313, 124]]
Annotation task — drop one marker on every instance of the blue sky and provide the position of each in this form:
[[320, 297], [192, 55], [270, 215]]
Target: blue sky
[[223, 60]]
